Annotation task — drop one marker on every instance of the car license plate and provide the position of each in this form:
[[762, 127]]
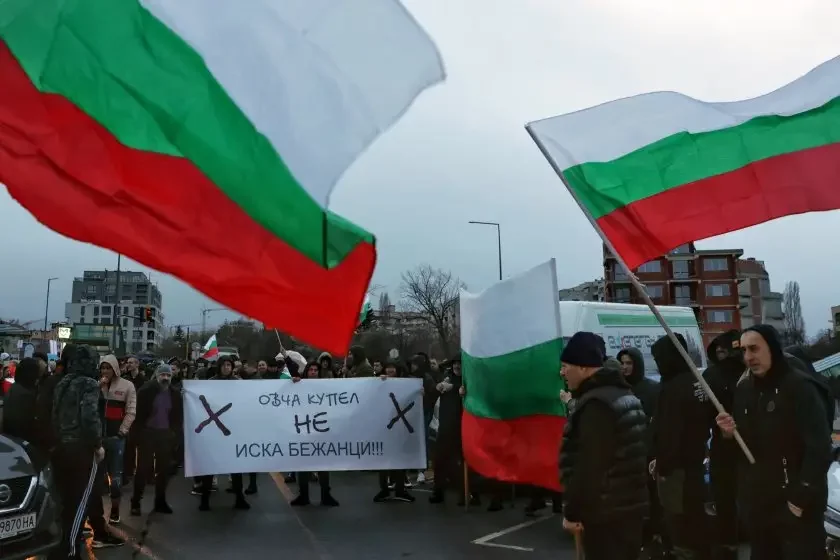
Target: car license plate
[[13, 526]]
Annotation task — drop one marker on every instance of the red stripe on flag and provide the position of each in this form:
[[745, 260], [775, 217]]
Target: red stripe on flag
[[77, 179]]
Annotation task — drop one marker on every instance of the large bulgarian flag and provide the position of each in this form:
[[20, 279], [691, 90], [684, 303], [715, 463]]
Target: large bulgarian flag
[[513, 418], [203, 138], [662, 169]]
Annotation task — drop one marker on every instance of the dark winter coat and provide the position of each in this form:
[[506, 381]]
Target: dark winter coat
[[783, 419], [603, 460], [449, 416], [75, 410], [145, 402], [19, 407], [683, 422], [645, 389], [722, 377]]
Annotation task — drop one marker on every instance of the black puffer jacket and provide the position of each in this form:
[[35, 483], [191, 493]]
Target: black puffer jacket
[[722, 377], [646, 390], [603, 461], [20, 405]]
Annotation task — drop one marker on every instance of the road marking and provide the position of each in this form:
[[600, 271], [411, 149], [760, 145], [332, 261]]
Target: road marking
[[485, 540], [280, 481]]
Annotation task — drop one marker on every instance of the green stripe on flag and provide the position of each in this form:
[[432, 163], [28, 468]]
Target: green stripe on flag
[[151, 90], [522, 383]]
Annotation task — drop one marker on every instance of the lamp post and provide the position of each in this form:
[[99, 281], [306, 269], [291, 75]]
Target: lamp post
[[47, 307], [499, 236]]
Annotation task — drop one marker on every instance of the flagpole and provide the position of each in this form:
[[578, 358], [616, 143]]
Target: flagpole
[[641, 291]]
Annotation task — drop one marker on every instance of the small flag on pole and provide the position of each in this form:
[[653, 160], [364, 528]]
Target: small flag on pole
[[211, 349]]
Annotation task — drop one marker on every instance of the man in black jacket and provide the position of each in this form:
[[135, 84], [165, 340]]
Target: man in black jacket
[[160, 417], [78, 437], [19, 407], [727, 366], [680, 432], [603, 460], [782, 416]]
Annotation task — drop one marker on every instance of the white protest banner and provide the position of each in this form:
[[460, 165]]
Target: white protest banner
[[316, 424]]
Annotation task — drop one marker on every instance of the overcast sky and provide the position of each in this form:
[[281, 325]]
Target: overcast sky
[[461, 152]]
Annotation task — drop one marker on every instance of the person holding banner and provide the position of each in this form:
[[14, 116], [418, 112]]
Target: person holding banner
[[225, 366], [313, 371], [395, 478]]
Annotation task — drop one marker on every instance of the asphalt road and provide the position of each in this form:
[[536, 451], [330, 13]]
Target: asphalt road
[[358, 529]]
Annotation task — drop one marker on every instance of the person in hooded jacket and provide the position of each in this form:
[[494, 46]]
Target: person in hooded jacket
[[19, 407], [325, 360], [647, 391], [603, 459], [722, 375], [358, 363], [78, 436], [448, 458], [312, 371], [680, 431], [420, 366], [782, 415]]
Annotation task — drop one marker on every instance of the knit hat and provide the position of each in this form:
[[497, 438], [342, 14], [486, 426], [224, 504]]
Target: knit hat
[[163, 368], [584, 349]]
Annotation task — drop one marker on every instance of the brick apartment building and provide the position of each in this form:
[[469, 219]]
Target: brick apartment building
[[707, 281]]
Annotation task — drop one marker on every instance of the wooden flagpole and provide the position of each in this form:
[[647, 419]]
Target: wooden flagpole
[[641, 291]]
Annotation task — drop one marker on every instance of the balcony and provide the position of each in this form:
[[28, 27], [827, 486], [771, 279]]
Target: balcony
[[685, 302]]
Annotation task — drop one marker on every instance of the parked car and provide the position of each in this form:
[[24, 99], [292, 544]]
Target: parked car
[[29, 517]]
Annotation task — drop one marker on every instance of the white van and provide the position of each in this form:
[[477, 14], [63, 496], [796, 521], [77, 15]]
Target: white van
[[625, 325]]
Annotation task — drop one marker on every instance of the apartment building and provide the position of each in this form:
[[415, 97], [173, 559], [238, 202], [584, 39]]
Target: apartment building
[[587, 291], [94, 302], [759, 304], [705, 280]]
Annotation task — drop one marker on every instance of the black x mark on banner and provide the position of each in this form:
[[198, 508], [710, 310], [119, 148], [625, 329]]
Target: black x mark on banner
[[400, 414], [213, 417]]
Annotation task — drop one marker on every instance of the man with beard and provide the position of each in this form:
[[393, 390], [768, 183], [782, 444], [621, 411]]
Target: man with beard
[[78, 431], [727, 366], [160, 417], [783, 416]]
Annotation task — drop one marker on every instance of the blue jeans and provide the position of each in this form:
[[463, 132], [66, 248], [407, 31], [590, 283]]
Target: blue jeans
[[113, 464]]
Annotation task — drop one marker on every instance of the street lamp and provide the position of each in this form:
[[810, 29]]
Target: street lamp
[[47, 310], [499, 235]]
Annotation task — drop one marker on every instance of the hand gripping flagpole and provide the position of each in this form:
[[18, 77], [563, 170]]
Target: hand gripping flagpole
[[642, 293]]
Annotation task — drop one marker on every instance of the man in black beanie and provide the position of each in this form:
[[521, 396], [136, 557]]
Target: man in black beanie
[[603, 460], [785, 417]]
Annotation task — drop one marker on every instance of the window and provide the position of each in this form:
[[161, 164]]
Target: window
[[111, 289], [106, 309], [138, 323], [125, 322], [680, 269], [81, 321], [681, 250], [96, 320], [722, 316], [125, 311], [715, 265], [82, 310], [764, 287], [717, 290], [619, 274], [150, 335], [106, 320], [652, 266], [622, 295], [682, 295], [90, 289], [137, 334], [95, 310], [654, 291], [138, 311]]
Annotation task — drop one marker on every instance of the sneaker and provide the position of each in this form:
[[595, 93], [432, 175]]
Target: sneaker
[[391, 485], [404, 497], [106, 541], [215, 485], [196, 490], [407, 483], [114, 518], [421, 477], [382, 496]]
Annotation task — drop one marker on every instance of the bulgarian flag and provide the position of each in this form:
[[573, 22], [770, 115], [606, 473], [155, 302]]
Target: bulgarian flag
[[513, 418], [366, 309], [205, 137], [662, 169], [211, 349]]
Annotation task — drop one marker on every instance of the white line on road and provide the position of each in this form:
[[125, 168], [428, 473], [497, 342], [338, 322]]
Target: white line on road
[[485, 540]]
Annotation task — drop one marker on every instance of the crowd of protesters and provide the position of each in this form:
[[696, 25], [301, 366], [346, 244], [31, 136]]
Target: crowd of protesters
[[633, 459]]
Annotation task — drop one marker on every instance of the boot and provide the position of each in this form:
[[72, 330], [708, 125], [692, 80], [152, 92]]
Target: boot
[[301, 500], [252, 485], [437, 497], [240, 503], [327, 499]]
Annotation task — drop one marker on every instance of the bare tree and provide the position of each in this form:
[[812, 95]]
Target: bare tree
[[794, 323], [433, 293]]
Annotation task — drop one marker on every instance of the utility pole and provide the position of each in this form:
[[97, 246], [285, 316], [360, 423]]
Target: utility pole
[[116, 304], [204, 313], [47, 309], [499, 236]]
